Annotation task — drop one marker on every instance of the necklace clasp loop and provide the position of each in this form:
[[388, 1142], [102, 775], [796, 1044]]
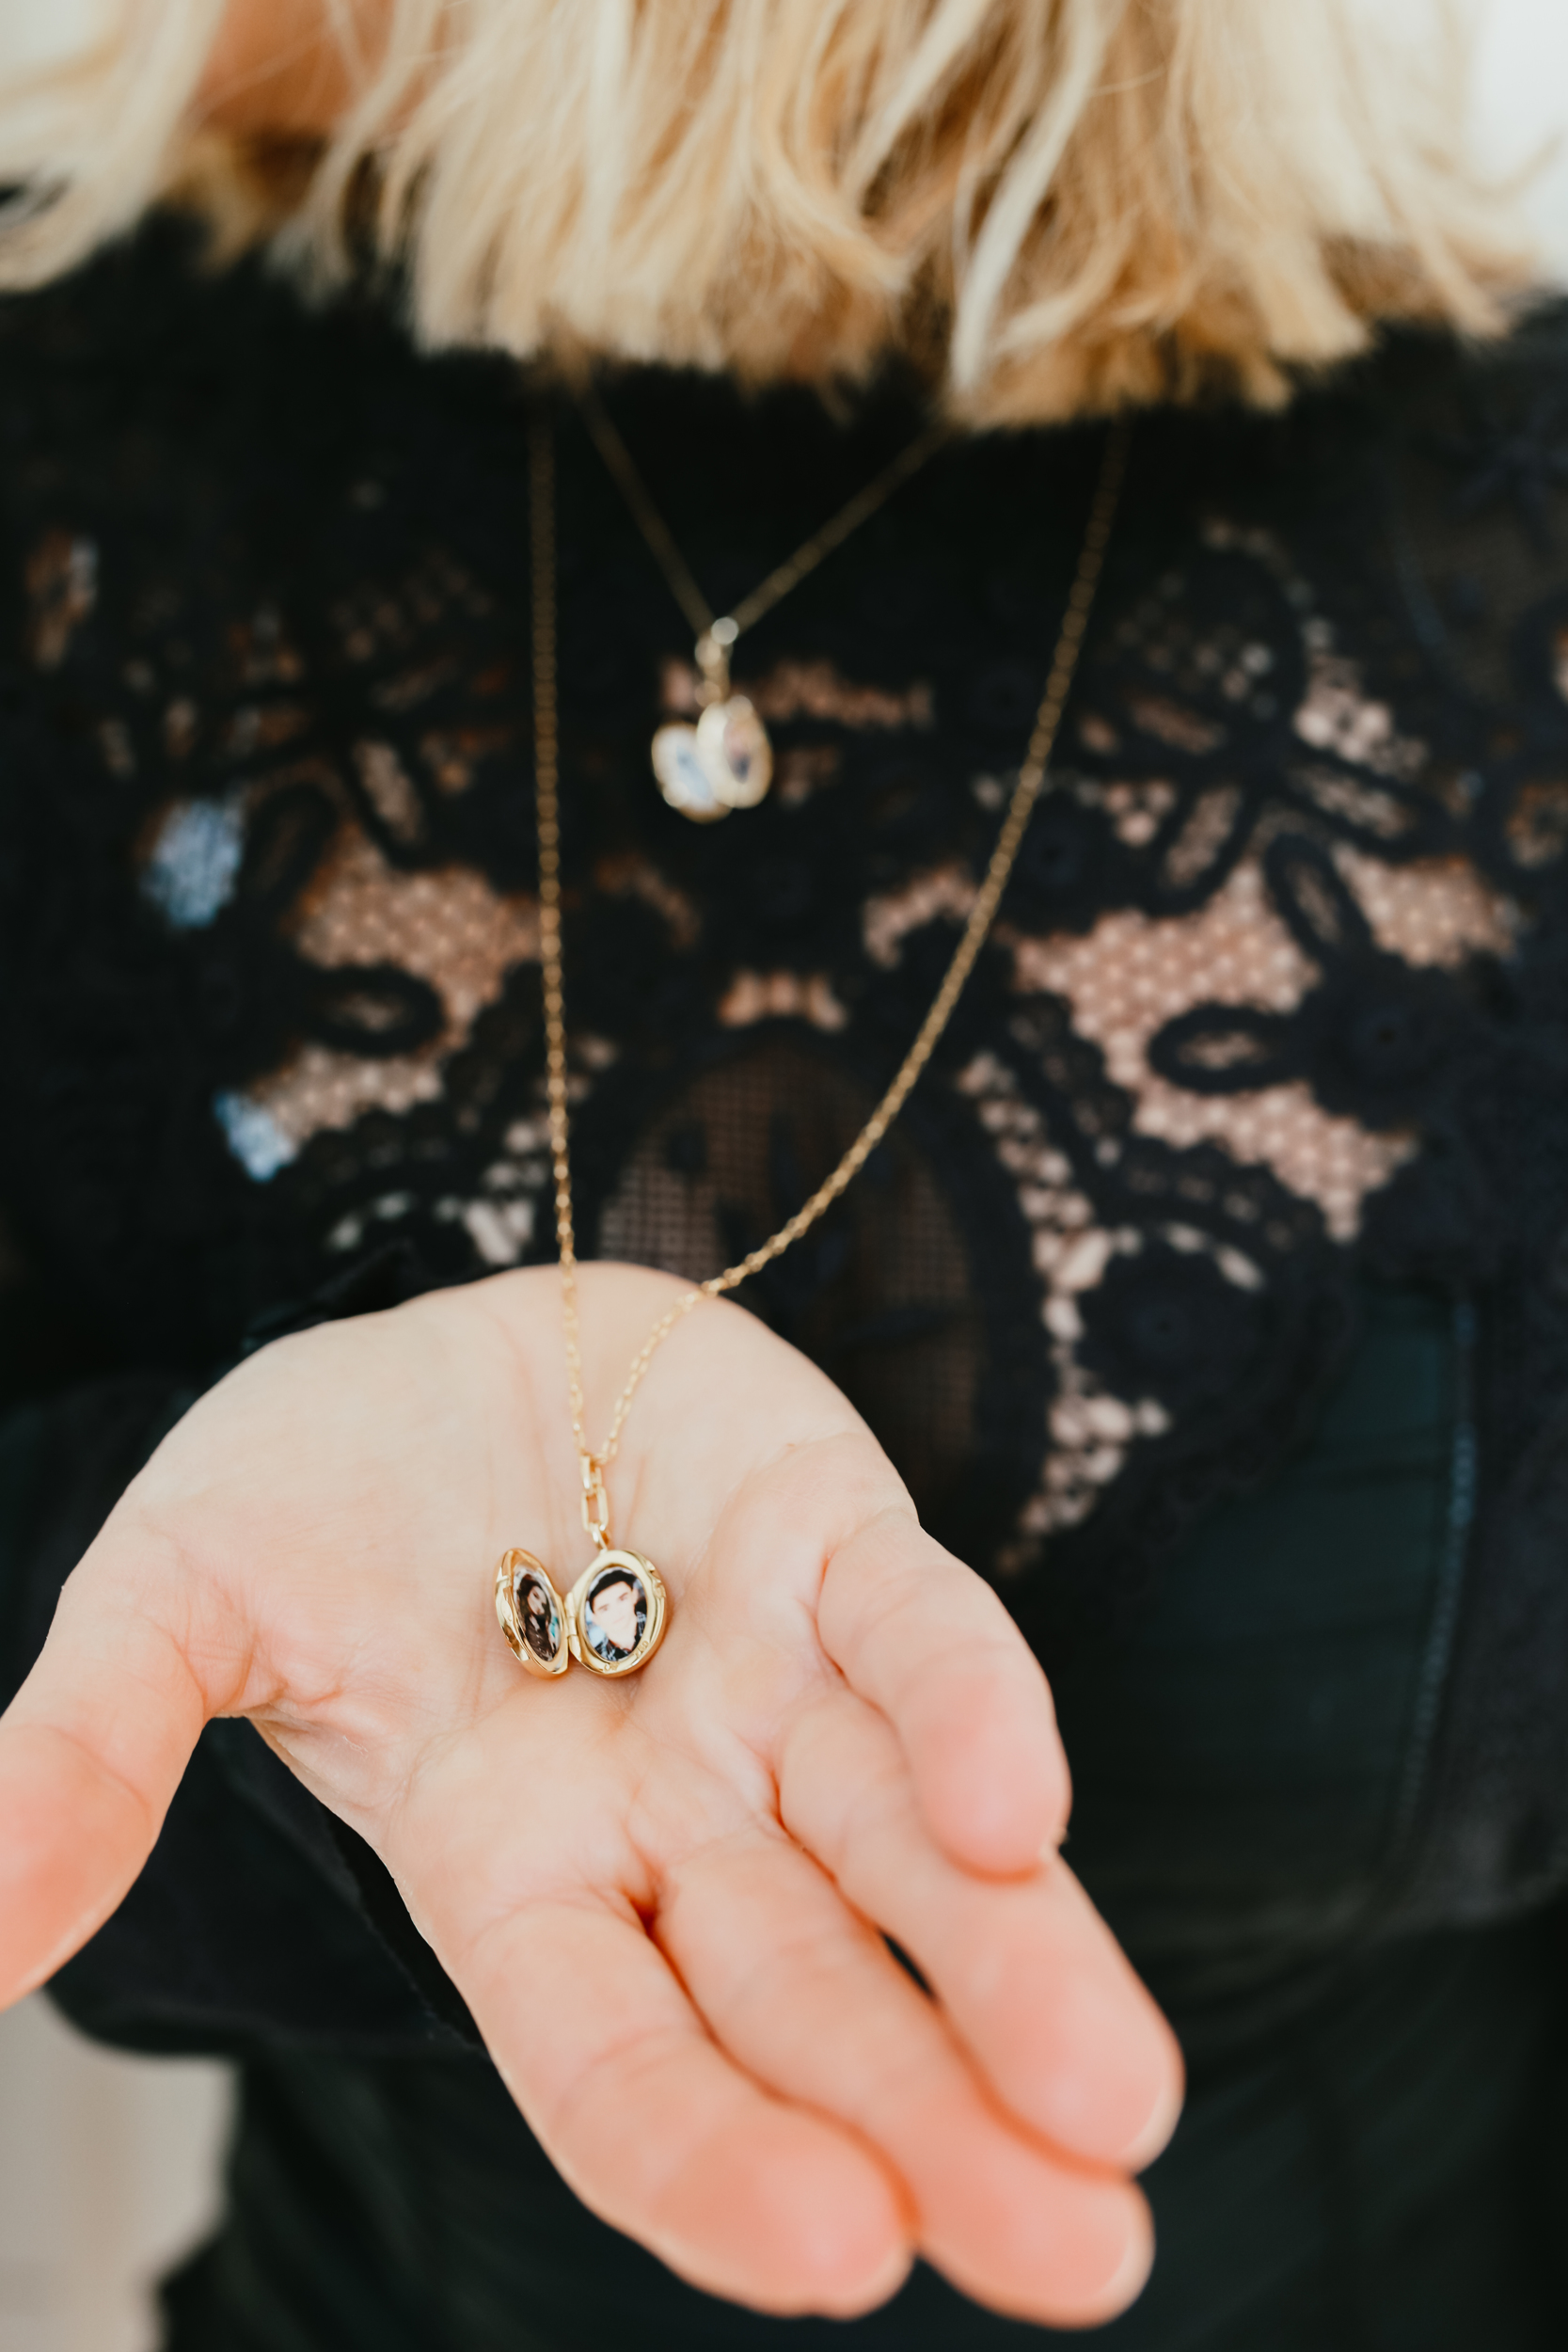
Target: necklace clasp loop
[[595, 1503], [713, 659]]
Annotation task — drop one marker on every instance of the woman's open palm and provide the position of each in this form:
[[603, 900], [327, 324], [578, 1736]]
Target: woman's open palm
[[665, 1900]]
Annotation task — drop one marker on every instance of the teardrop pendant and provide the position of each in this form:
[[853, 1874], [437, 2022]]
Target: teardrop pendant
[[725, 761]]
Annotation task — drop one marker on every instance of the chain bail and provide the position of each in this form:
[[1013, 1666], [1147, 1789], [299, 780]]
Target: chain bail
[[713, 659], [595, 1503]]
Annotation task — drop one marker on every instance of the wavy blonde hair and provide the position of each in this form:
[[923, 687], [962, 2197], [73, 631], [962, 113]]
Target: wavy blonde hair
[[1052, 205]]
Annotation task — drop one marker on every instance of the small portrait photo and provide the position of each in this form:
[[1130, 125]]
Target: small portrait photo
[[538, 1618], [615, 1615]]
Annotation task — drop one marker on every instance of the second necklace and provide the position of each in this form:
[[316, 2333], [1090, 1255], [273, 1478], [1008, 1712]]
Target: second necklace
[[726, 761]]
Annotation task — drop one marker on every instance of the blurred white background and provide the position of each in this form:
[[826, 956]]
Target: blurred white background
[[108, 2174], [108, 2164]]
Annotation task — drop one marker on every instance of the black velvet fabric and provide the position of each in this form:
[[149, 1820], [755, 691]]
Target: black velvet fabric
[[1209, 1293]]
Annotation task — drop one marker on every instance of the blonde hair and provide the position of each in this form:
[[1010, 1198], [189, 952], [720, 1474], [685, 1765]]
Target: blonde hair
[[1052, 205]]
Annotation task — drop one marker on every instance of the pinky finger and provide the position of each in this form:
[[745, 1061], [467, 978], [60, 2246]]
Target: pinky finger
[[933, 1649]]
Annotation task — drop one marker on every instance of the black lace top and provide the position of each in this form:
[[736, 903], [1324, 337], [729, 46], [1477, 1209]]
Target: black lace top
[[1211, 1294]]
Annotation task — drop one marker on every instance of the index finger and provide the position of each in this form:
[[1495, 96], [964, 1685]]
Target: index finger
[[933, 1649]]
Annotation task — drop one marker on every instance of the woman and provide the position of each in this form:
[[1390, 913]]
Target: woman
[[1203, 1295]]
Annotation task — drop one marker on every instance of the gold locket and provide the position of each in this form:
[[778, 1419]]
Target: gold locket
[[611, 1621]]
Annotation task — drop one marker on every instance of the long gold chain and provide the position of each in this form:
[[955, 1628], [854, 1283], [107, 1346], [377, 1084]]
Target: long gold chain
[[1032, 778]]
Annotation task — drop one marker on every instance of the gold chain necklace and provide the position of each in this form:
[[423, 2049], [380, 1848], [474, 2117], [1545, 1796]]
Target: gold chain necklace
[[726, 761], [613, 1618]]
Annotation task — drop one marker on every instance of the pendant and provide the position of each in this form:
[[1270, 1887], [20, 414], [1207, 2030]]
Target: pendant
[[611, 1621], [725, 761]]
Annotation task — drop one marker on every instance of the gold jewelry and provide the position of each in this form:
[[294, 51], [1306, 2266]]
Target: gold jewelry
[[726, 761], [545, 1631], [611, 1621]]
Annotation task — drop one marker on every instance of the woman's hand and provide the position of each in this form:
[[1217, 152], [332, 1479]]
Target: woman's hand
[[664, 1900]]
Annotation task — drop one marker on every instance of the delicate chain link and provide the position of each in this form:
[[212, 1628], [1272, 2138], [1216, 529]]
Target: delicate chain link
[[546, 787], [784, 576], [1032, 779]]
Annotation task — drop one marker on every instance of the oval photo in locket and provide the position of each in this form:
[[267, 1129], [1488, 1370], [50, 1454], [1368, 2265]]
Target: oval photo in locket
[[532, 1614], [618, 1611], [539, 1615]]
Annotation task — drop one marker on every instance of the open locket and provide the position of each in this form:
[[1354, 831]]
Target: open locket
[[611, 1621], [725, 761]]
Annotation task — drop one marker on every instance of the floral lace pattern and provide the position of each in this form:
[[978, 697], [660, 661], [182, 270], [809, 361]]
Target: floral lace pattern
[[1276, 1000]]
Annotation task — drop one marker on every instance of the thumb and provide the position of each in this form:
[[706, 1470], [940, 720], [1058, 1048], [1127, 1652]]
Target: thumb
[[91, 1752]]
